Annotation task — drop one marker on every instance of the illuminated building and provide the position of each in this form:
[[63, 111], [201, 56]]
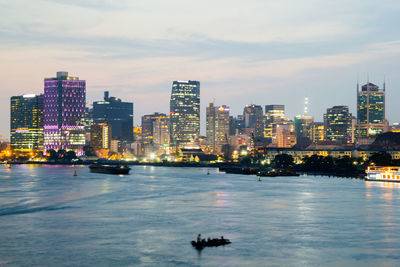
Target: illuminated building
[[118, 114], [137, 133], [26, 124], [371, 110], [217, 127], [338, 124], [303, 125], [318, 130], [185, 113], [253, 118], [148, 125], [64, 113], [274, 114], [285, 136], [161, 136], [100, 136]]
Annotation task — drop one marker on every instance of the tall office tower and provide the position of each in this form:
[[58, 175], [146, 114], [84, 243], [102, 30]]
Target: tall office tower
[[274, 114], [338, 124], [371, 110], [185, 113], [100, 136], [318, 130], [217, 127], [253, 118], [26, 123], [303, 128], [64, 113], [118, 114]]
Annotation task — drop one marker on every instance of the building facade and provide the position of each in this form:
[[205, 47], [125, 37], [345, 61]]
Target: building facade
[[118, 114], [217, 127], [26, 122], [254, 118], [185, 113], [303, 125], [274, 115], [338, 125], [64, 113], [371, 110], [100, 136]]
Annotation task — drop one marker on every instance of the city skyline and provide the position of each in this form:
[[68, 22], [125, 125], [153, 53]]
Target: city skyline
[[279, 53]]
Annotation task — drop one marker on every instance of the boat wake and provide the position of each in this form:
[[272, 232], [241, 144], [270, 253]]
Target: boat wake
[[26, 209]]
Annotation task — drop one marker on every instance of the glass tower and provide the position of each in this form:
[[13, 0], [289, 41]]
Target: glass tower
[[371, 110], [118, 114], [185, 113], [338, 124], [26, 124], [254, 118], [64, 113]]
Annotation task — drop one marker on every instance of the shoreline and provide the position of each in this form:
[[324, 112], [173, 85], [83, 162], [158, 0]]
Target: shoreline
[[232, 168]]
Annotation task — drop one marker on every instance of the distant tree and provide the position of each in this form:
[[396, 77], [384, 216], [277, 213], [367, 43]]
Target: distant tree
[[53, 155], [283, 161], [387, 140], [89, 151], [380, 159], [61, 153], [70, 155]]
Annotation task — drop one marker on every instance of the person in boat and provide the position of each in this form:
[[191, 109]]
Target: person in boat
[[198, 238]]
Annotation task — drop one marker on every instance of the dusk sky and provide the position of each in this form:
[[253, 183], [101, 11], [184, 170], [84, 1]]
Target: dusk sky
[[242, 52]]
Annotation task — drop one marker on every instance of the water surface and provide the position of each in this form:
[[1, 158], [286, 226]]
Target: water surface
[[48, 217]]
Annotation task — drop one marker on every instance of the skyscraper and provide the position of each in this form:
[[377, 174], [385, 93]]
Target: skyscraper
[[371, 110], [118, 114], [185, 113], [338, 124], [64, 113], [303, 126], [274, 114], [217, 127], [26, 124], [253, 118]]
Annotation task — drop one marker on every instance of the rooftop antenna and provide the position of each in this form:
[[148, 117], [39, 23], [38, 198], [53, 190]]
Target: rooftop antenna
[[384, 82], [358, 84], [305, 106], [367, 77]]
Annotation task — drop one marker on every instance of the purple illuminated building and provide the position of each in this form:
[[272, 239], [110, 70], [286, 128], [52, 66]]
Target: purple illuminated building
[[64, 113]]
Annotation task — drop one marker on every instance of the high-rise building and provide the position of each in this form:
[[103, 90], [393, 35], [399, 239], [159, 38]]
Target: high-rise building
[[285, 136], [26, 124], [100, 136], [217, 127], [118, 114], [148, 125], [338, 124], [274, 114], [64, 113], [253, 118], [185, 113], [318, 130], [371, 110], [303, 125], [161, 136]]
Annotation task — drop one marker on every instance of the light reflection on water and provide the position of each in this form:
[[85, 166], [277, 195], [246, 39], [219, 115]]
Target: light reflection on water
[[49, 217]]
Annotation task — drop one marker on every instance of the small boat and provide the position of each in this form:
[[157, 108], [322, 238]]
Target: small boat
[[109, 169], [384, 174], [216, 242]]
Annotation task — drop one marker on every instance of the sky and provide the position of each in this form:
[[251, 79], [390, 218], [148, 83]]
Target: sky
[[242, 52]]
